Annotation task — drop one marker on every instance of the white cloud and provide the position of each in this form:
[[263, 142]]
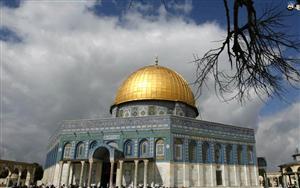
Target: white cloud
[[185, 7], [71, 63], [278, 135]]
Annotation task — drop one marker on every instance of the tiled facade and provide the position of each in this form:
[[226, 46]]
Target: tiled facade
[[168, 128]]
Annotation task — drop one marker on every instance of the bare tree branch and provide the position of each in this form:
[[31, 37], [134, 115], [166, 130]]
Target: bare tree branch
[[255, 52], [255, 55]]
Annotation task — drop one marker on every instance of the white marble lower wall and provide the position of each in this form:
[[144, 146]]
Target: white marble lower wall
[[193, 175], [162, 173]]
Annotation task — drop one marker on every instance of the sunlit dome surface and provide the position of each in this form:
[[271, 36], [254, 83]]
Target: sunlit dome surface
[[155, 83]]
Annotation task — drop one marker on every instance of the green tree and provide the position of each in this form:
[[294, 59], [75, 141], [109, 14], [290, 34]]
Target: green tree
[[39, 172]]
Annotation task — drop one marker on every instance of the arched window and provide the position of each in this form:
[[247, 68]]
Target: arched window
[[192, 151], [4, 172], [205, 151], [120, 113], [289, 170], [93, 144], [67, 151], [250, 154], [240, 154], [80, 150], [144, 148], [128, 148], [178, 146], [160, 149], [228, 154], [218, 153]]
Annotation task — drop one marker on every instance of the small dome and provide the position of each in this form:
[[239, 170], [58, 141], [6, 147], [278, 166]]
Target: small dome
[[155, 83]]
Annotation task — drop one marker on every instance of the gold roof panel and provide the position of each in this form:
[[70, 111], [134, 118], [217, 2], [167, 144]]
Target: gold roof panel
[[155, 82]]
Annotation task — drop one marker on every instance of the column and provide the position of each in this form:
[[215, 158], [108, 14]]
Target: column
[[136, 163], [225, 176], [8, 178], [73, 173], [297, 181], [255, 175], [284, 180], [234, 159], [235, 175], [244, 165], [145, 172], [100, 171], [28, 177], [212, 170], [90, 172], [120, 177], [81, 173], [33, 174], [61, 164], [266, 180], [246, 175], [200, 164], [186, 174], [170, 180], [200, 174], [19, 177], [68, 173], [111, 174], [212, 160]]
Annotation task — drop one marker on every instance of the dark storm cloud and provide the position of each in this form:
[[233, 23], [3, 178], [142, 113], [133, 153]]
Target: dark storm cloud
[[8, 35]]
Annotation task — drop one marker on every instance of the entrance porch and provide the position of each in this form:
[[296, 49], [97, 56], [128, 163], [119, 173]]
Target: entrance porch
[[104, 168]]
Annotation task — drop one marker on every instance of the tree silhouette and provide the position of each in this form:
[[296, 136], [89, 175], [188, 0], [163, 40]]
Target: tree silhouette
[[255, 50], [39, 172], [255, 53]]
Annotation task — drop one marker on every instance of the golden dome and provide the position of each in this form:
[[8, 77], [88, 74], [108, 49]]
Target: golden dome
[[155, 83]]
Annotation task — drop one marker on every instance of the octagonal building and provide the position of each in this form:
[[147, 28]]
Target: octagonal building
[[153, 139]]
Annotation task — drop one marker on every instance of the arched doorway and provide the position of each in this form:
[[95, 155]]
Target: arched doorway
[[102, 154], [289, 173]]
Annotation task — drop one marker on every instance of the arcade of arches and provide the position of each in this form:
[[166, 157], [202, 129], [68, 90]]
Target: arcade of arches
[[105, 168], [15, 173], [288, 176], [108, 166], [291, 175]]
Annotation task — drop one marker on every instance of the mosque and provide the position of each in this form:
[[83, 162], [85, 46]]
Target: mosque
[[152, 139]]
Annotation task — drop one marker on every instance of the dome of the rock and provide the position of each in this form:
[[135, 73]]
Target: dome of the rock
[[155, 83]]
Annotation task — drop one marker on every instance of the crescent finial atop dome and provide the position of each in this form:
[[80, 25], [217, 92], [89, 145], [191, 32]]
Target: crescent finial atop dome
[[156, 60]]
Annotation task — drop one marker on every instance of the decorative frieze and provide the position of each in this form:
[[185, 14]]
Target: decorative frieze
[[189, 128]]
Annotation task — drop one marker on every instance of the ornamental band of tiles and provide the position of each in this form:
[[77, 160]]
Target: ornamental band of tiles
[[152, 139]]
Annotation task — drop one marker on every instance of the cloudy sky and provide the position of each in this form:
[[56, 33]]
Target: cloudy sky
[[65, 60]]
